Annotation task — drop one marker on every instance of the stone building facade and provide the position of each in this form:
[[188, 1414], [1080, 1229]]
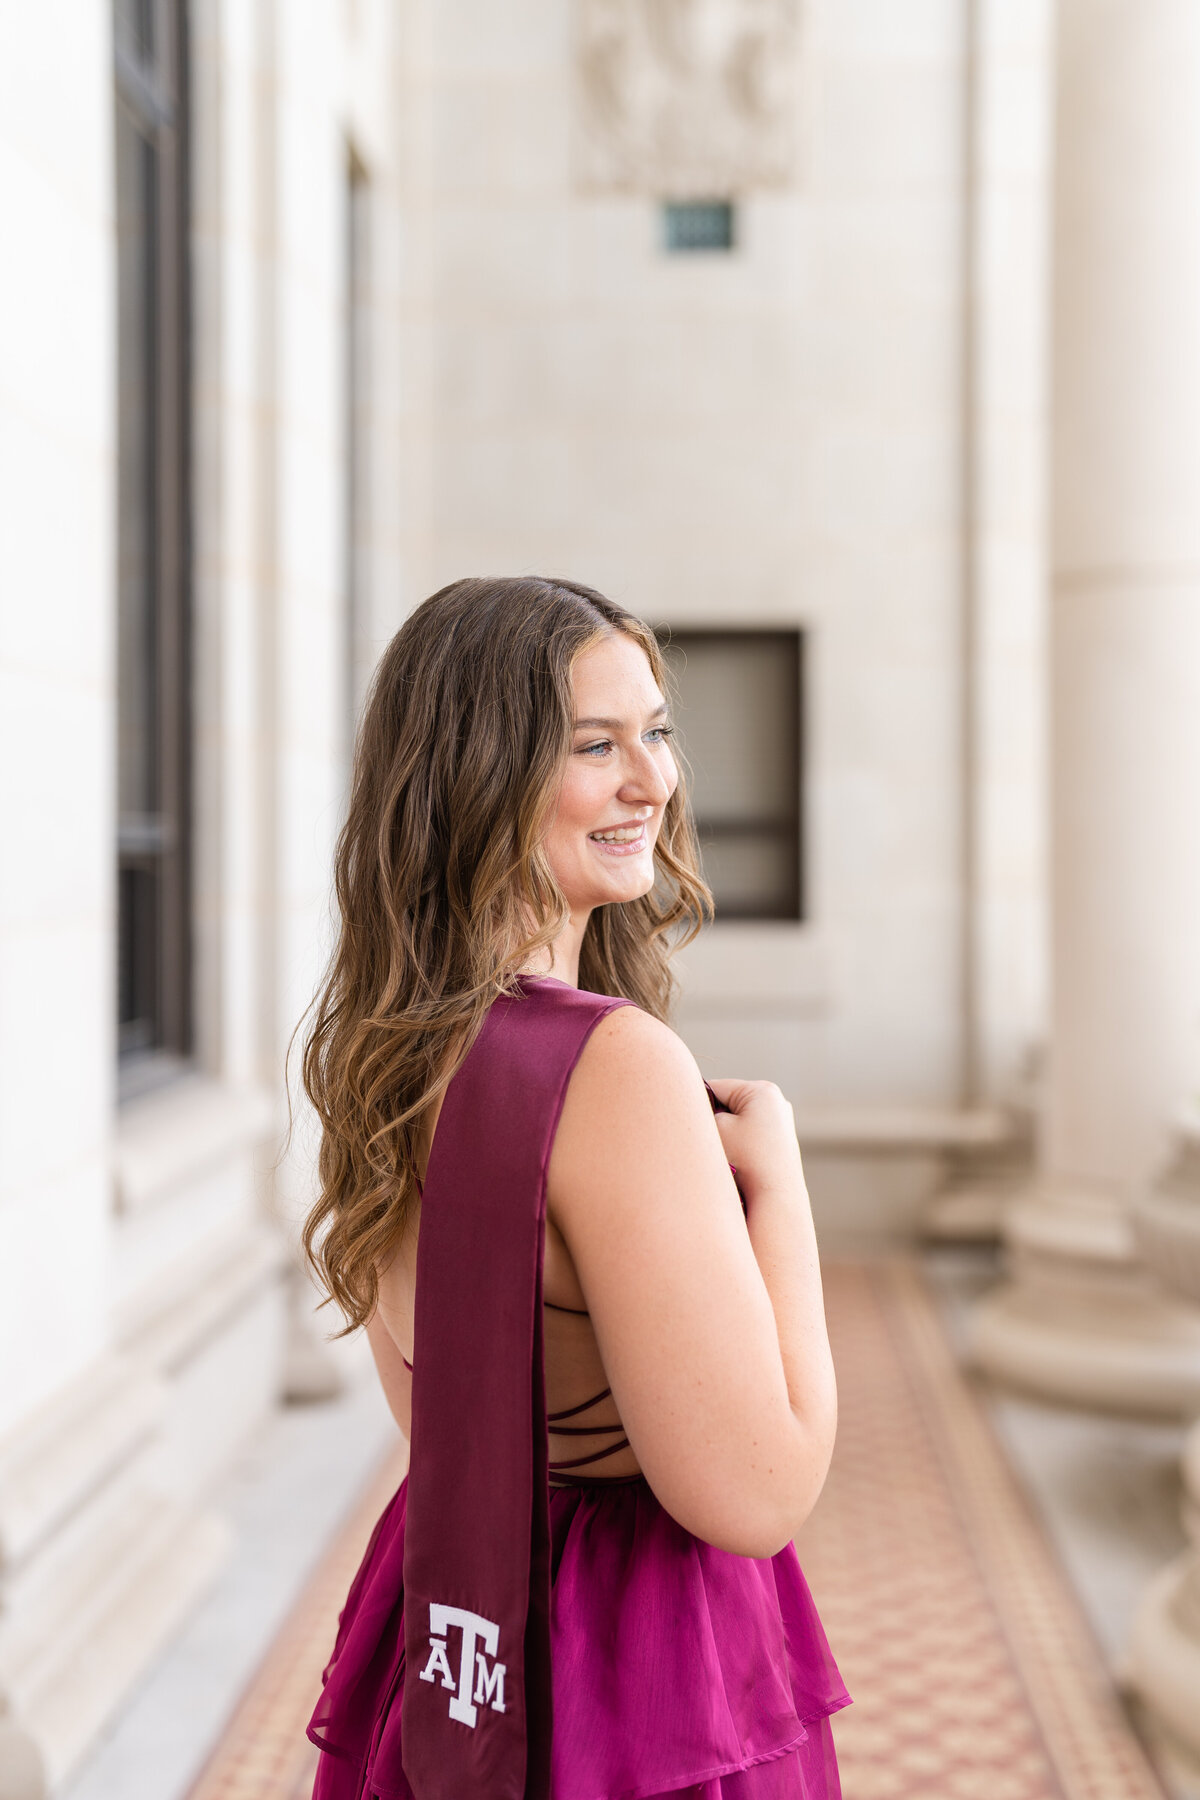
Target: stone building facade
[[737, 309]]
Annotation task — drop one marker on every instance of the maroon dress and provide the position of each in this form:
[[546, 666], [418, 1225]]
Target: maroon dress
[[503, 1640]]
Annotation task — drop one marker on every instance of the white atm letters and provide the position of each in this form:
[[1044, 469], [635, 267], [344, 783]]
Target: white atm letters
[[489, 1683]]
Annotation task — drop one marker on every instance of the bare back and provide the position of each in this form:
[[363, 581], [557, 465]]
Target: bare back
[[574, 1370]]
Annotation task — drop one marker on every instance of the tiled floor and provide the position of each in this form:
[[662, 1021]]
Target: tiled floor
[[1108, 1489], [975, 1671], [975, 1674]]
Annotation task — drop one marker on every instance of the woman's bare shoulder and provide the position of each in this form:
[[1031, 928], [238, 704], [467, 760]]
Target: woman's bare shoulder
[[636, 1090], [631, 1050]]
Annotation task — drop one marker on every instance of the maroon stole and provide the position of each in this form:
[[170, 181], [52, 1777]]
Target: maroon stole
[[476, 1715]]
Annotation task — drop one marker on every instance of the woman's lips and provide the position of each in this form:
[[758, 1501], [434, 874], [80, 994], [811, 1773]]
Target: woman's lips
[[628, 847]]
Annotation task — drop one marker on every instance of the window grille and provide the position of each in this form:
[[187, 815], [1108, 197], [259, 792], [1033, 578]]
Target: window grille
[[690, 225], [153, 733], [739, 702]]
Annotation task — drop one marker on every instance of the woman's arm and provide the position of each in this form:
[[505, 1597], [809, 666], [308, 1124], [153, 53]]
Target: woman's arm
[[711, 1326]]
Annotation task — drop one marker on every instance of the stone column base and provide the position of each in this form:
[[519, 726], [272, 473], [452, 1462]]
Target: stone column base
[[1164, 1648], [1080, 1321], [980, 1190], [1164, 1656]]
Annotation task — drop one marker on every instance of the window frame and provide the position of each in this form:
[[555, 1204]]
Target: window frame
[[790, 830], [151, 87]]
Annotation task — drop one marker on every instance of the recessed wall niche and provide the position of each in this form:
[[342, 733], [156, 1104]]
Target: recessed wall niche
[[739, 715]]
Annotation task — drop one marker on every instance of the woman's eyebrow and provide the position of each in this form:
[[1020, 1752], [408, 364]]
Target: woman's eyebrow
[[616, 724]]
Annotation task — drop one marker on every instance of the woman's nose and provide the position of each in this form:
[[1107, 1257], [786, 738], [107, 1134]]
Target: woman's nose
[[647, 780]]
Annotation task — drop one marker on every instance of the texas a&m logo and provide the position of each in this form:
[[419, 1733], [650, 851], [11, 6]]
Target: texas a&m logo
[[472, 1663]]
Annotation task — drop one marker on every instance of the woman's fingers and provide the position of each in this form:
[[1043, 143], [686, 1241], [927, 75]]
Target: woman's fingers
[[730, 1091]]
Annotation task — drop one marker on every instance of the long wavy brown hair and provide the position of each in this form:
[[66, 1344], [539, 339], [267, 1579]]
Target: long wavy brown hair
[[445, 892]]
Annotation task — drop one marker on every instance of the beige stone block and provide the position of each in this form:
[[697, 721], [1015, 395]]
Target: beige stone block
[[871, 31], [703, 367], [58, 988], [59, 541], [870, 1200], [470, 36], [887, 127], [613, 249], [904, 480], [504, 485], [870, 250], [222, 1352], [680, 485], [502, 138], [171, 1136], [504, 258], [899, 1035], [492, 370], [59, 821], [32, 63], [780, 969], [160, 1246], [39, 1355], [60, 376], [906, 372], [757, 1044]]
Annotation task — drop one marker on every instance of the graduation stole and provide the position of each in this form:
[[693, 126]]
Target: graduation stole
[[476, 1715]]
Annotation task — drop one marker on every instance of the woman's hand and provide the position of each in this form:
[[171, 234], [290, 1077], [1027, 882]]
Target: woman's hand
[[759, 1136]]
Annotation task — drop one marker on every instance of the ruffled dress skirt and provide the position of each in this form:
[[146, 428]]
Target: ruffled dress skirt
[[677, 1669]]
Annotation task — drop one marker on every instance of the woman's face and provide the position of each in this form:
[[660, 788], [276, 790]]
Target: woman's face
[[619, 776]]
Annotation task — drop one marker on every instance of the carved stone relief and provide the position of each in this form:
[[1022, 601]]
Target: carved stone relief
[[686, 98]]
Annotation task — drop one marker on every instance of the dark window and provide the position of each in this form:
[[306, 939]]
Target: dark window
[[739, 717], [153, 939], [356, 374], [698, 225]]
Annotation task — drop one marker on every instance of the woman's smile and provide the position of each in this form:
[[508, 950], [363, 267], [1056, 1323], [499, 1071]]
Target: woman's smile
[[621, 840]]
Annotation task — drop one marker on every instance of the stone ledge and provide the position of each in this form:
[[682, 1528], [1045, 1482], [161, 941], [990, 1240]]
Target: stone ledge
[[165, 1138], [83, 1675], [166, 1322], [892, 1128], [53, 1465], [97, 1565]]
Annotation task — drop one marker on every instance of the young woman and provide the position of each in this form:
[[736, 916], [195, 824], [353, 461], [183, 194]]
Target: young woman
[[591, 1286]]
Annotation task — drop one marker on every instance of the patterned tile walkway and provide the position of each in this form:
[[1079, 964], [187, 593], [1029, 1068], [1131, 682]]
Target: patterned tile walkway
[[974, 1674], [264, 1754]]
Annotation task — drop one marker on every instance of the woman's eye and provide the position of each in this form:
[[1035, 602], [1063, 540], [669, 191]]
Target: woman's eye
[[658, 734]]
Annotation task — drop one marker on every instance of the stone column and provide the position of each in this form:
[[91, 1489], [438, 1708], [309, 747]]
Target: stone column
[[1007, 95], [1080, 1320], [1164, 1648]]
